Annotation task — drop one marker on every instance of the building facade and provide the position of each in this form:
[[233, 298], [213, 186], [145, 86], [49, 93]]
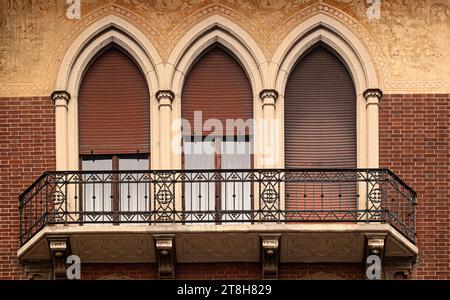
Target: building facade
[[226, 139]]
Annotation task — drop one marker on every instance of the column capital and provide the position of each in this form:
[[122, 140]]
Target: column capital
[[373, 93], [268, 93], [269, 97], [60, 95], [165, 98]]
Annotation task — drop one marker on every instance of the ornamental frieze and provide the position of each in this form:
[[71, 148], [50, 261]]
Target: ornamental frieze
[[408, 42]]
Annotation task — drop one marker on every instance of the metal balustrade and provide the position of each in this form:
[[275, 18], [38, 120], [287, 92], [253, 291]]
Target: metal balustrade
[[217, 197]]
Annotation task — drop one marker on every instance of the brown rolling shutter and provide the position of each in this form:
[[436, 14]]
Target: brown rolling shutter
[[320, 126], [218, 86], [113, 107]]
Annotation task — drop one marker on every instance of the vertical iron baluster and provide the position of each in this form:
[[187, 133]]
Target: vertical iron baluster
[[31, 212], [304, 193], [314, 193], [46, 199], [207, 204], [340, 193], [65, 198], [137, 196], [75, 198], [20, 220], [278, 196], [84, 194], [367, 196], [128, 196], [387, 198], [242, 198], [349, 205], [331, 194], [234, 194], [173, 197], [321, 194]]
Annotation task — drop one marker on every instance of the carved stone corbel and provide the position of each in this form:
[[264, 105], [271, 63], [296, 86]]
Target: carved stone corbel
[[398, 268], [59, 251], [270, 256], [165, 256], [39, 270], [375, 246]]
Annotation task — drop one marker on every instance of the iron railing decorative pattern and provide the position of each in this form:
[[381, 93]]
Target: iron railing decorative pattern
[[217, 196]]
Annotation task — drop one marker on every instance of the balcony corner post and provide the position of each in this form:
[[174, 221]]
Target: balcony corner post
[[270, 256], [59, 251], [165, 256], [374, 256]]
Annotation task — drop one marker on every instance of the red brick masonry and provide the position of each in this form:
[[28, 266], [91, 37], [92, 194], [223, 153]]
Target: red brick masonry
[[27, 148], [414, 143]]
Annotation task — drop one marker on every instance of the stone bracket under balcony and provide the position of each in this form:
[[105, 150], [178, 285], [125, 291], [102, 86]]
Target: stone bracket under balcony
[[301, 242]]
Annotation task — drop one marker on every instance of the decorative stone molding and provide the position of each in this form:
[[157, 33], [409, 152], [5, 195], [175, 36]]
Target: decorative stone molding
[[213, 248], [373, 96], [59, 250], [60, 98], [270, 256], [398, 268], [328, 247], [269, 97], [165, 256], [165, 98], [39, 270], [119, 248]]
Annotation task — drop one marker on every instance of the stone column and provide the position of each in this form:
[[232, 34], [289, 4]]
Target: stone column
[[60, 100], [373, 97], [270, 145], [165, 99]]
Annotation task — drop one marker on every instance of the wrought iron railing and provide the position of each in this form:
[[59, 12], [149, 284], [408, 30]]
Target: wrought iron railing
[[216, 197]]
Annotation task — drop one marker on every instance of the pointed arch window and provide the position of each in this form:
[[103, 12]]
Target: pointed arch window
[[217, 89], [320, 130], [113, 130]]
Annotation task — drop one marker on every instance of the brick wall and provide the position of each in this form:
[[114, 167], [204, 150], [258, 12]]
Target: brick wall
[[27, 148], [415, 144]]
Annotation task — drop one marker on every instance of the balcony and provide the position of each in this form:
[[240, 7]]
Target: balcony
[[306, 215]]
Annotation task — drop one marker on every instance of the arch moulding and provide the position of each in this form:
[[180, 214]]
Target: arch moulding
[[108, 30]]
